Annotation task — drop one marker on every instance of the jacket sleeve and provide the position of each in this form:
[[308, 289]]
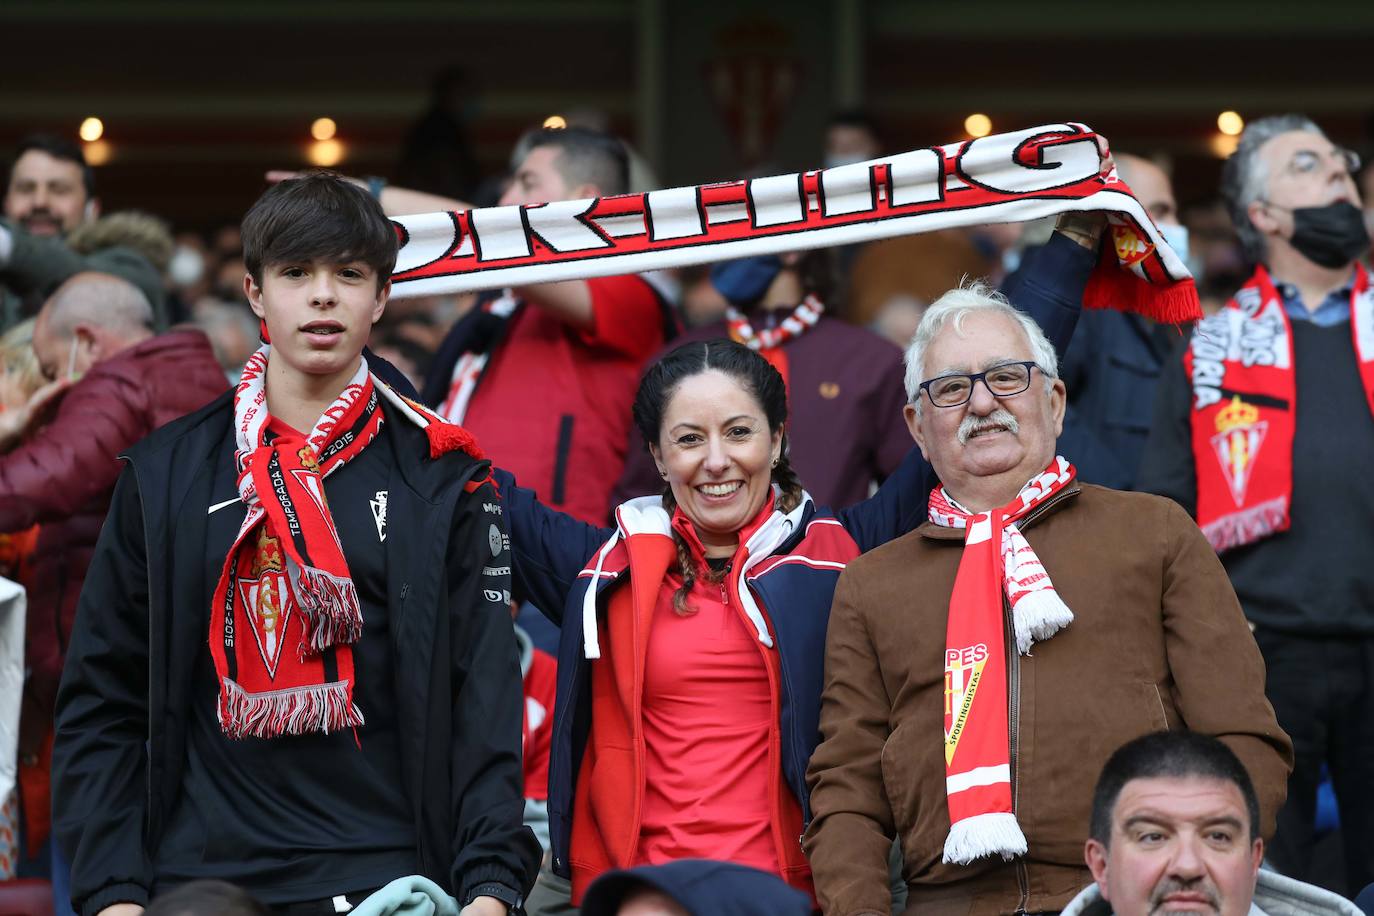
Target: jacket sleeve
[[892, 440], [490, 842], [38, 264], [1217, 671], [898, 506], [74, 459], [1167, 467], [550, 547], [99, 759], [851, 833], [1051, 289]]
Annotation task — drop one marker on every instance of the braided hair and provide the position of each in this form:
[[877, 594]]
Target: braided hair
[[755, 375]]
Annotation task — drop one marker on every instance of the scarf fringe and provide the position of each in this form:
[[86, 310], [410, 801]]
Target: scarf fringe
[[1037, 616], [319, 708], [1110, 286], [994, 834], [331, 606], [1247, 525]]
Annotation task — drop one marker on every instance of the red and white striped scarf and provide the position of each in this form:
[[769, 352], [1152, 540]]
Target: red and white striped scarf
[[285, 609], [798, 322], [998, 564], [1012, 177], [1241, 365]]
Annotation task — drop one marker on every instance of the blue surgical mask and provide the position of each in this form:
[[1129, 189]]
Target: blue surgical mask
[[1176, 235], [744, 281]]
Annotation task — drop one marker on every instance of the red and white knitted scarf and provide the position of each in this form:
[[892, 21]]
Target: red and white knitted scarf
[[1240, 362], [798, 322], [1012, 177], [998, 566], [285, 609]]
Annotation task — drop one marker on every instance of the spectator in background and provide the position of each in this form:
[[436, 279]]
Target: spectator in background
[[1074, 618], [851, 136], [544, 375], [436, 156], [1175, 828], [50, 194], [539, 673], [51, 189], [1263, 432], [114, 381], [844, 384], [27, 820], [1113, 364]]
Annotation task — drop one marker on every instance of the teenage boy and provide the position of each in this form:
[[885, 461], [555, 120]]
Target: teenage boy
[[292, 667]]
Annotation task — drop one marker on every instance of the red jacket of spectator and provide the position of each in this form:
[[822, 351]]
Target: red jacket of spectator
[[539, 670], [63, 474], [553, 403]]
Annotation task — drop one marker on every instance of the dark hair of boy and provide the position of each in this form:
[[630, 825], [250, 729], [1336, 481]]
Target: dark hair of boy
[[1169, 755], [58, 148], [318, 217], [586, 156], [206, 898]]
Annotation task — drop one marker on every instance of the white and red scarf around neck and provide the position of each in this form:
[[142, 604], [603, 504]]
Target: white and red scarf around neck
[[1240, 364], [1012, 177], [997, 565], [796, 323], [285, 610]]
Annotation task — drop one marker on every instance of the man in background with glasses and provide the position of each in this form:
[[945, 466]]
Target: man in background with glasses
[[1034, 622], [1263, 431]]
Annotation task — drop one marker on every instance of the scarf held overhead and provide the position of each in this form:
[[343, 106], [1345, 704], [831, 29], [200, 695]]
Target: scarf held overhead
[[1013, 177], [285, 609], [1240, 364], [997, 564]]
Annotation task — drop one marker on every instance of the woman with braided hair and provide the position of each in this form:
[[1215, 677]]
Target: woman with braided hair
[[693, 633]]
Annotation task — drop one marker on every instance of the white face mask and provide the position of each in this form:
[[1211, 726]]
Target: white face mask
[[71, 361]]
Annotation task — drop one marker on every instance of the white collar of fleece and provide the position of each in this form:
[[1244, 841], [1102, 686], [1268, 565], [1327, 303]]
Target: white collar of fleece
[[646, 515]]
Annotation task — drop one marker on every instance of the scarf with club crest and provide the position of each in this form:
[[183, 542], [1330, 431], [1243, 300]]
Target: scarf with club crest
[[997, 566], [285, 610], [1240, 364]]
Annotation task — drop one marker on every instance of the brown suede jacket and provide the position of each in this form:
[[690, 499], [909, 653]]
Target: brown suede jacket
[[1158, 641]]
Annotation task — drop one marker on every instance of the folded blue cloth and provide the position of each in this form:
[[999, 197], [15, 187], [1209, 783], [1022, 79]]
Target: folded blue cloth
[[413, 895]]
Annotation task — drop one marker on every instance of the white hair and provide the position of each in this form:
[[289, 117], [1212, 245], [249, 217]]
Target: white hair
[[953, 308]]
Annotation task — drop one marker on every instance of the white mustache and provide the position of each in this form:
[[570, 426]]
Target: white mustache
[[1001, 417]]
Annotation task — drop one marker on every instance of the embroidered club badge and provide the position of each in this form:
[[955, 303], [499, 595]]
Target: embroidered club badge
[[1240, 433]]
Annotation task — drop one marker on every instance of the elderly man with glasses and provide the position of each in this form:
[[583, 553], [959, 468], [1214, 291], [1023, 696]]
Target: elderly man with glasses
[[1264, 431], [1036, 623]]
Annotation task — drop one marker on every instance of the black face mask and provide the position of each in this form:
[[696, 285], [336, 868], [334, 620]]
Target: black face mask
[[1331, 236]]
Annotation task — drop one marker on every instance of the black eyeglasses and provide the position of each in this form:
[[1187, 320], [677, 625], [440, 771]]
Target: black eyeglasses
[[1003, 381]]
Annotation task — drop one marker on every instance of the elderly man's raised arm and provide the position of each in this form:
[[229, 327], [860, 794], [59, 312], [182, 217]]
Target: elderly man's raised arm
[[851, 831], [1217, 670]]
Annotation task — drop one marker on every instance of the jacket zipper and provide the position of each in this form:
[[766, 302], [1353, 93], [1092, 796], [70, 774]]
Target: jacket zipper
[[1014, 735]]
